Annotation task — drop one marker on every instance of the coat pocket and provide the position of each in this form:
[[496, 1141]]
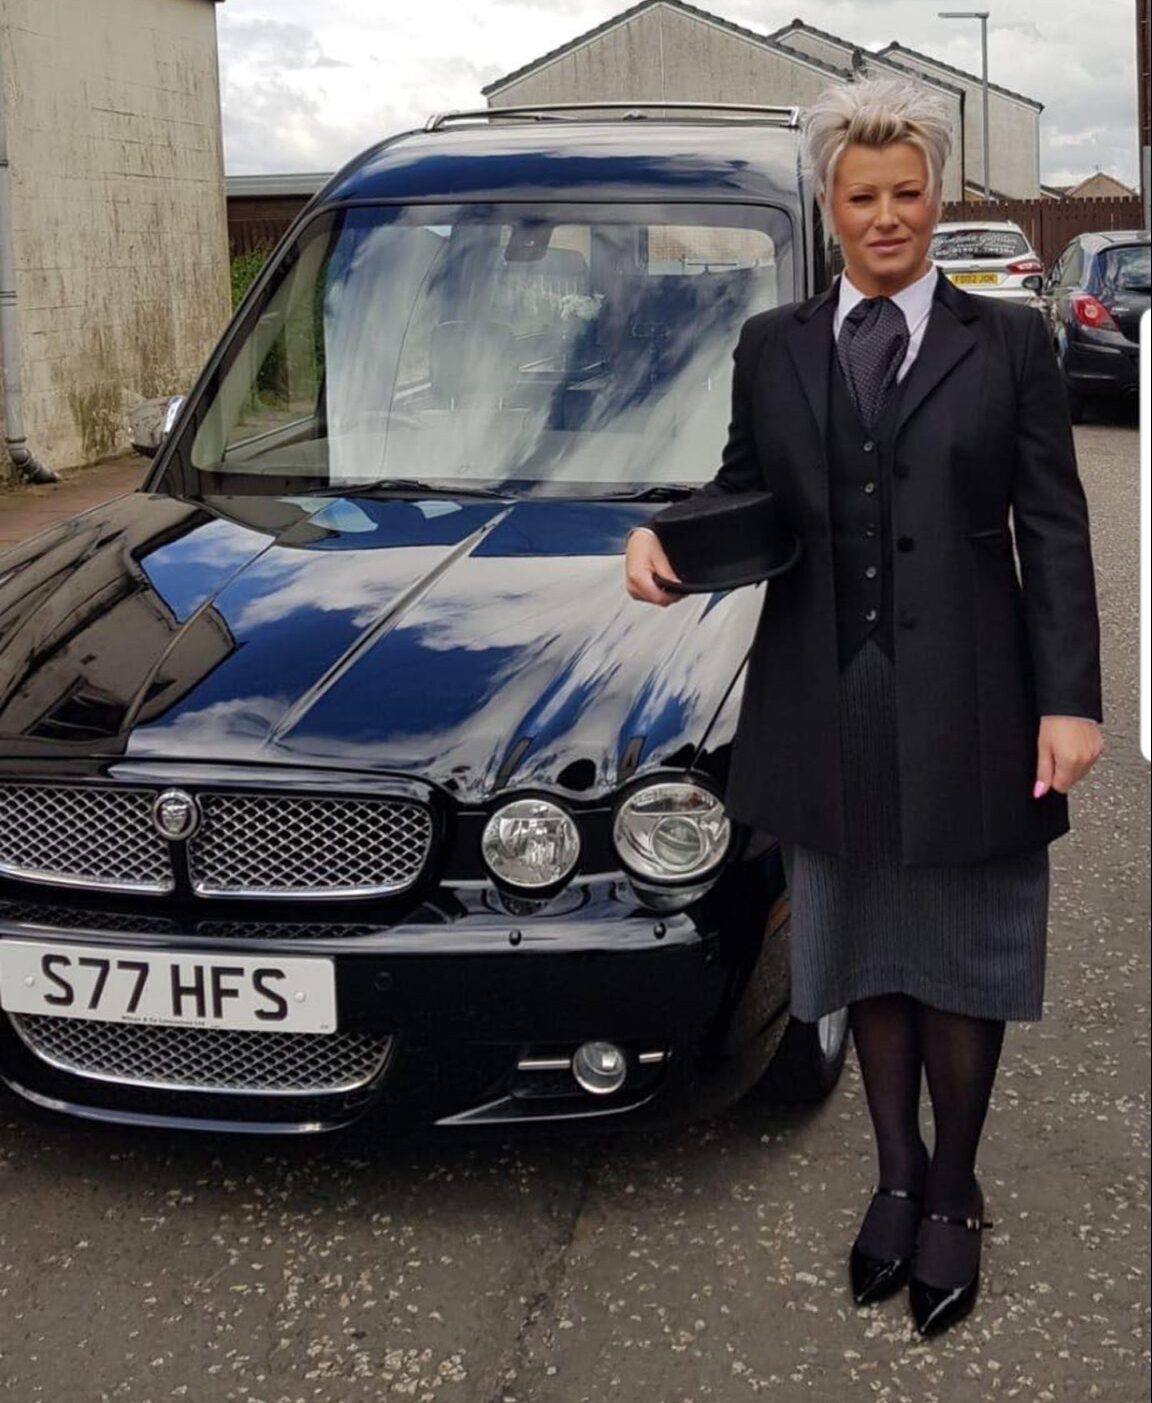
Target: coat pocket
[[993, 538]]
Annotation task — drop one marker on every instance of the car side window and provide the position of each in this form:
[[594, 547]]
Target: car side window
[[1073, 267]]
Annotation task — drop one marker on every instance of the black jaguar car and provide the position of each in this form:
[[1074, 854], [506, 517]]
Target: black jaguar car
[[340, 777]]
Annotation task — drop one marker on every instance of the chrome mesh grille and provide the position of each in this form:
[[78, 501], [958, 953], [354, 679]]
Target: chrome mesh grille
[[267, 844], [70, 918], [81, 835], [283, 930], [205, 1059]]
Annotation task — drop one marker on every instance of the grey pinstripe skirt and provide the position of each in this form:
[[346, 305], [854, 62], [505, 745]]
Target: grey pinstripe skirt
[[970, 938]]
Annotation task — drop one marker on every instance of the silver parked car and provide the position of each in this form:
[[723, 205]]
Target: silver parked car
[[987, 257]]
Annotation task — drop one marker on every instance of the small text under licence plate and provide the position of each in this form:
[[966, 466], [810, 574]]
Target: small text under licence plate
[[980, 279], [203, 990]]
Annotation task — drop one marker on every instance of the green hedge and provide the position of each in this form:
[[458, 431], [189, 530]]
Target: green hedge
[[245, 267]]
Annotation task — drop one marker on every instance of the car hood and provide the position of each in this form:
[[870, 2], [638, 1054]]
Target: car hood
[[471, 643]]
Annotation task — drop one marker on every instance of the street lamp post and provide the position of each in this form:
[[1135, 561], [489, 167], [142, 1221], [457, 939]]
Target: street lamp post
[[982, 16]]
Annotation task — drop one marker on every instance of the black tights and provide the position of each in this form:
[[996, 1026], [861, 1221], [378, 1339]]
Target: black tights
[[895, 1035]]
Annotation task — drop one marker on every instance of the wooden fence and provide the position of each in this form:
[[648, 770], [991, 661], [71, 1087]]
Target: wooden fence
[[258, 223], [1050, 224]]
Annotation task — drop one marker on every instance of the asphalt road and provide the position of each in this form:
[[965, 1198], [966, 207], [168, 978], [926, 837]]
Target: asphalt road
[[705, 1264]]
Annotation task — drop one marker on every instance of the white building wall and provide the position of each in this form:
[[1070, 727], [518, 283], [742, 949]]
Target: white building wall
[[664, 53], [839, 54], [119, 226], [817, 46], [1013, 134]]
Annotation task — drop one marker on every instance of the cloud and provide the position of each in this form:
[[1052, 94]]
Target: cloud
[[308, 86]]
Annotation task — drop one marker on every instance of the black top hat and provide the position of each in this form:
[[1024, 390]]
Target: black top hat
[[725, 540]]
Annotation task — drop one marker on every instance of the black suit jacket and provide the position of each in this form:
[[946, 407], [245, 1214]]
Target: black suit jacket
[[982, 651]]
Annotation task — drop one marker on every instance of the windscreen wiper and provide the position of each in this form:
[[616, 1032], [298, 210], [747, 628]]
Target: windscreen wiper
[[656, 492], [407, 485]]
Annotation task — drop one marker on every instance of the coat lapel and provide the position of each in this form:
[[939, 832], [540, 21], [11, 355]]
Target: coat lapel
[[947, 340], [808, 340]]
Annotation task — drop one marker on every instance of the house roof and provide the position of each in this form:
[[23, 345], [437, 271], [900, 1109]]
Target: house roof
[[1121, 187], [793, 25], [270, 187], [895, 47], [763, 40]]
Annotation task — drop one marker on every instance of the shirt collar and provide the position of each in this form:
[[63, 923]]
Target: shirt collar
[[915, 300]]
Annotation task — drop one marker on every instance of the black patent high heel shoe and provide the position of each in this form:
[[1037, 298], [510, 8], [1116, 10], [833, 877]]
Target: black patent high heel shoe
[[875, 1278], [934, 1308]]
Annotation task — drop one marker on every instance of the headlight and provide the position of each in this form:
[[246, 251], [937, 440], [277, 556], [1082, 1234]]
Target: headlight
[[530, 843], [671, 831]]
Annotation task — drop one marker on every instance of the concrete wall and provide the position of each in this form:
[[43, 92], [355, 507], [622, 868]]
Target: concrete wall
[[663, 53], [1013, 134], [666, 53], [119, 229], [828, 51], [839, 54]]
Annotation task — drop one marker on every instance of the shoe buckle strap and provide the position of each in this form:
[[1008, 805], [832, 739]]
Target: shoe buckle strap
[[899, 1193], [972, 1224]]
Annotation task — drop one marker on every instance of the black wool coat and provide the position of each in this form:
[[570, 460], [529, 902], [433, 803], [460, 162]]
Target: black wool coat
[[982, 650]]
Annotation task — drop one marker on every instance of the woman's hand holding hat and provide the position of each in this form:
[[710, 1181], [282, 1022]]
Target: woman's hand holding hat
[[643, 559]]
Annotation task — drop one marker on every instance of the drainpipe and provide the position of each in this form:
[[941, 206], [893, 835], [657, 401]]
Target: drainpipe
[[26, 464]]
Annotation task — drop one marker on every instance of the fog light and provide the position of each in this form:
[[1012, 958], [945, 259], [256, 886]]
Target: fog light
[[599, 1067]]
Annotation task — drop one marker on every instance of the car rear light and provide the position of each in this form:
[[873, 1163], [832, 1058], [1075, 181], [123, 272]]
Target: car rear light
[[1026, 265], [1089, 312]]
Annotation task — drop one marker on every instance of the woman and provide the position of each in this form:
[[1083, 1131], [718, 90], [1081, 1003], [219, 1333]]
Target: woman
[[911, 721]]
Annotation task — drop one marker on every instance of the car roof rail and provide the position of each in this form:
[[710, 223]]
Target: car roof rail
[[620, 111]]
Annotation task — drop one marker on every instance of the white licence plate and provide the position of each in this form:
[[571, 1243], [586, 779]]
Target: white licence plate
[[201, 990]]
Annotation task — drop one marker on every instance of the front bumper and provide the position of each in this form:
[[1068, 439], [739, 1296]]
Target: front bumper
[[476, 1005]]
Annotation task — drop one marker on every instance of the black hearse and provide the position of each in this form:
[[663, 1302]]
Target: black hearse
[[339, 775]]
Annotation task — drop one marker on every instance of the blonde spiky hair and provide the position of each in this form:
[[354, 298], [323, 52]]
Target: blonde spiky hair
[[874, 112]]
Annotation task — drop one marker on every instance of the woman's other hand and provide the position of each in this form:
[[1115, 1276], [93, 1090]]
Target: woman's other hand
[[643, 556], [1067, 749]]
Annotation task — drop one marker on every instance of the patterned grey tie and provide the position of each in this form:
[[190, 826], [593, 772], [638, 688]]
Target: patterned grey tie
[[871, 347]]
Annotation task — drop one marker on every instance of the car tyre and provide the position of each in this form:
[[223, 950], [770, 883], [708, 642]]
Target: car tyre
[[808, 1061]]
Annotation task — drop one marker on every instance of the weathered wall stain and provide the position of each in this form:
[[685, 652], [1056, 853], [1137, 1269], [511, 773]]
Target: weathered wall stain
[[119, 226], [96, 414]]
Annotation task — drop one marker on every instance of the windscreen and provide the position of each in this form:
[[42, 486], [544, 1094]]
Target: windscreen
[[979, 243], [547, 348]]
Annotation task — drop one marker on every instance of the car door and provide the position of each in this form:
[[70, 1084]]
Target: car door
[[1050, 293], [1071, 268]]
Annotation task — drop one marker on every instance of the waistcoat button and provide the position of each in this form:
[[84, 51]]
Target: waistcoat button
[[871, 572], [869, 446], [869, 486], [870, 615], [870, 529]]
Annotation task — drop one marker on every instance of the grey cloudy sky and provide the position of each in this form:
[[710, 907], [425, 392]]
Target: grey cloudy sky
[[307, 86]]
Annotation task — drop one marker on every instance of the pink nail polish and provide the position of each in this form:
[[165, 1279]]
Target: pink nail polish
[[1039, 788]]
